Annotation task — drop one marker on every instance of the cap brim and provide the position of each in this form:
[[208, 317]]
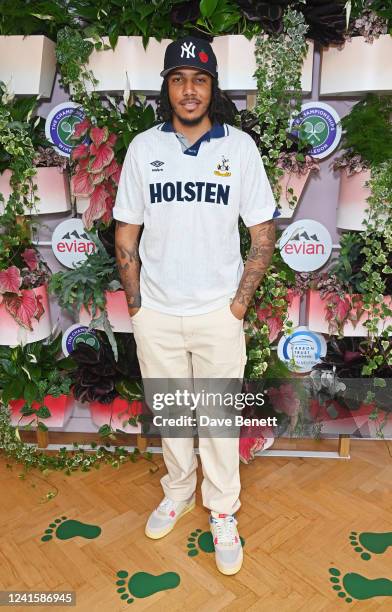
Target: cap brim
[[165, 72]]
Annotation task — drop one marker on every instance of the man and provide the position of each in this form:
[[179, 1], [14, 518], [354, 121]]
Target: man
[[188, 180]]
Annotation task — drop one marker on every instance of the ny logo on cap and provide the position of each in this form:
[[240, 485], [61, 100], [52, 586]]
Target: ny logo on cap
[[189, 49]]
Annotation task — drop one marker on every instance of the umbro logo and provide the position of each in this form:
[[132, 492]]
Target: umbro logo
[[157, 165]]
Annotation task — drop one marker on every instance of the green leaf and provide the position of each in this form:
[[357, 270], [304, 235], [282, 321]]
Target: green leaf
[[13, 390], [31, 392], [43, 412], [207, 7]]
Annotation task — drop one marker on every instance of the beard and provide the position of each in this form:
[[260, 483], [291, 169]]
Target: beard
[[190, 121]]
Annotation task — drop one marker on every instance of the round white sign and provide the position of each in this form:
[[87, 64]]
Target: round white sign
[[319, 124], [75, 334], [305, 245], [60, 126], [70, 243], [303, 346]]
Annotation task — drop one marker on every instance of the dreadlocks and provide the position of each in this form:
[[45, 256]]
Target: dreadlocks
[[221, 109]]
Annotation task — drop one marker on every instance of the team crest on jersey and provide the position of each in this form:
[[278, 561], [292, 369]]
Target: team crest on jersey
[[222, 167]]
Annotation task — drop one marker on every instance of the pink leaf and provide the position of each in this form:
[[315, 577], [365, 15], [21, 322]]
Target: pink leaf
[[284, 399], [30, 258], [79, 152], [112, 139], [10, 280], [111, 168], [103, 157], [107, 216], [116, 176], [81, 184], [80, 129], [22, 307], [82, 164], [40, 308], [97, 206], [98, 178], [99, 135]]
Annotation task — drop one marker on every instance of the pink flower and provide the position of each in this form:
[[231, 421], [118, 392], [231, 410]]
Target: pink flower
[[284, 399], [10, 280], [249, 447], [30, 258]]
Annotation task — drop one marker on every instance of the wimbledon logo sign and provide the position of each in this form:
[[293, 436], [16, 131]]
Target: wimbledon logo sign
[[60, 126], [319, 124], [305, 245], [70, 243]]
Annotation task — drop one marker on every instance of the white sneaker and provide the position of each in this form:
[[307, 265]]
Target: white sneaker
[[163, 518], [228, 547]]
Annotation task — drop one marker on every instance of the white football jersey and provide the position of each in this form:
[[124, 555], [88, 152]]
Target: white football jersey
[[189, 201]]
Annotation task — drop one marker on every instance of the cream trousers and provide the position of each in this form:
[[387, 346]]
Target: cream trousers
[[210, 345]]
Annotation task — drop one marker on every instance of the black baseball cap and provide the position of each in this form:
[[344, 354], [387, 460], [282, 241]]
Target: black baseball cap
[[190, 52]]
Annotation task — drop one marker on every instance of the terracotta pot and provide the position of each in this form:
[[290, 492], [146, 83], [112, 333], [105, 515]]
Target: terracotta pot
[[293, 310], [52, 189], [28, 64], [295, 181], [60, 410], [120, 410], [352, 200], [357, 68], [315, 309], [11, 333], [117, 310]]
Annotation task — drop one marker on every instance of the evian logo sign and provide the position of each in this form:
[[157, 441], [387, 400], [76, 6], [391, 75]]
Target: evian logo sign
[[70, 243], [305, 245]]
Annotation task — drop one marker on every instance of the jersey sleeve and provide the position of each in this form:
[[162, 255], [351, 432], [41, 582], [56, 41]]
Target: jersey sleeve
[[129, 205], [257, 202]]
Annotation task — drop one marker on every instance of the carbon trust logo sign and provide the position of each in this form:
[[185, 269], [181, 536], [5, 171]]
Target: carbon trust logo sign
[[60, 126], [305, 245], [320, 125], [70, 243], [302, 349]]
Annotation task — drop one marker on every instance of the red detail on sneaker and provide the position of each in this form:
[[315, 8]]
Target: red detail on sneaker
[[236, 540], [216, 540], [172, 514], [222, 515]]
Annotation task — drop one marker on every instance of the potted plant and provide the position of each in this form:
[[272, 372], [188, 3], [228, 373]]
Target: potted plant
[[111, 387], [335, 302], [28, 30], [24, 305], [36, 385], [46, 184], [359, 65], [343, 397], [92, 292], [362, 150]]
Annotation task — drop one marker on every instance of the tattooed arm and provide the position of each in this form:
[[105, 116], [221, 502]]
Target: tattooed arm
[[258, 260], [128, 262]]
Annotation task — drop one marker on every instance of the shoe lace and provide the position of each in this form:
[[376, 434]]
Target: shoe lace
[[166, 505], [225, 529]]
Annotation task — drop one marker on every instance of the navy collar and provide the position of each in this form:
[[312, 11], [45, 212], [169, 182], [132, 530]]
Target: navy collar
[[217, 131]]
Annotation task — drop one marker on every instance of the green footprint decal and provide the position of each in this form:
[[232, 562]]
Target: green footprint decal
[[143, 584], [200, 540], [68, 528], [376, 543], [354, 586]]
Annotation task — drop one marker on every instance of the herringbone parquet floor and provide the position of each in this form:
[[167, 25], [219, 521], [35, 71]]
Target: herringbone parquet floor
[[296, 519]]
